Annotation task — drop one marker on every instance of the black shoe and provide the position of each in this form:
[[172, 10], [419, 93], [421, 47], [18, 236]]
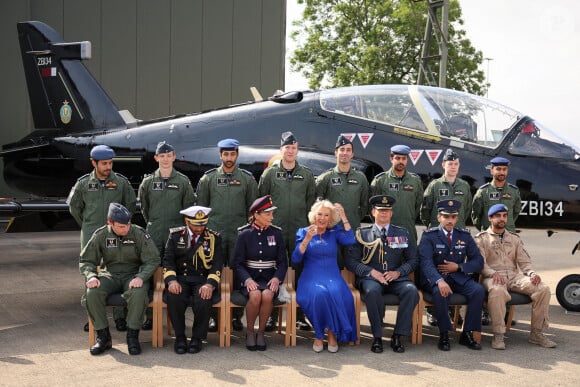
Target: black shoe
[[444, 344], [377, 346], [102, 343], [212, 326], [194, 345], [396, 344], [237, 324], [86, 327], [121, 324], [466, 339], [270, 325], [133, 341], [485, 318], [147, 325], [303, 325], [251, 341], [180, 346], [260, 342], [432, 320]]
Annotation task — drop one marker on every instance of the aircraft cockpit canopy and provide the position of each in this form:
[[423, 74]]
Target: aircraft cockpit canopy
[[439, 112]]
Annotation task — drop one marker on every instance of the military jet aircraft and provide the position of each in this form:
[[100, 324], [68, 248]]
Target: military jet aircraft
[[72, 113]]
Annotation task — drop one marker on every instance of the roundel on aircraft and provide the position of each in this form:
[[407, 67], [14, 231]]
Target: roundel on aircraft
[[65, 112]]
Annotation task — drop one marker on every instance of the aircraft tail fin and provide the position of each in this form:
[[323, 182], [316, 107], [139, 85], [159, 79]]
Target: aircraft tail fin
[[63, 93]]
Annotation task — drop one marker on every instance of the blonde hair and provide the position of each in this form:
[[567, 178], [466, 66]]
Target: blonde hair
[[335, 216]]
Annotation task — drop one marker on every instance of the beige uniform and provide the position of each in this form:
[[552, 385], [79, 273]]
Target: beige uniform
[[511, 260]]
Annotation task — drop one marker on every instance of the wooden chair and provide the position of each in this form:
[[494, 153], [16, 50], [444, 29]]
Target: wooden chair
[[155, 300], [221, 305], [238, 300], [389, 299]]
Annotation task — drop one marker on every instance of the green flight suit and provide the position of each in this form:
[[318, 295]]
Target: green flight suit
[[293, 193], [229, 196], [440, 189], [121, 259], [161, 200], [89, 201], [487, 195], [350, 189], [408, 193]]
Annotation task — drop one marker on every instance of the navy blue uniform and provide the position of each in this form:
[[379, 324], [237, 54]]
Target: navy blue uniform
[[396, 253], [260, 254], [433, 250]]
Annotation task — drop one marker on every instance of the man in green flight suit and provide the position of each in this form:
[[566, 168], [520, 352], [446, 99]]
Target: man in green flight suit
[[291, 186], [163, 194], [404, 186], [229, 191], [89, 201], [128, 258]]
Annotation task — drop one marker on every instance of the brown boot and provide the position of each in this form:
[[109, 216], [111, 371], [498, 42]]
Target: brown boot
[[497, 341], [538, 338]]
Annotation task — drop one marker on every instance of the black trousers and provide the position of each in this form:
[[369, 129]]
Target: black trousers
[[177, 305]]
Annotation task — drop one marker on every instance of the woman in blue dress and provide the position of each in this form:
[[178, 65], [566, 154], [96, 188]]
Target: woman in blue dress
[[321, 292]]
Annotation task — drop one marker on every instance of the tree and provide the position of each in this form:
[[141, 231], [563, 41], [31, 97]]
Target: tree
[[358, 42]]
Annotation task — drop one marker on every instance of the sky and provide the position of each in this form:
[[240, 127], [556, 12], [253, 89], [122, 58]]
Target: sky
[[534, 51]]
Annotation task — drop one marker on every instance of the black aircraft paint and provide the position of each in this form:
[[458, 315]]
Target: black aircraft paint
[[72, 113]]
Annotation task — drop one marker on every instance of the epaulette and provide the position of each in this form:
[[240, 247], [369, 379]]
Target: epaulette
[[432, 229], [399, 227], [175, 229], [483, 186], [100, 228], [513, 186], [209, 230], [247, 172], [210, 171], [479, 233], [83, 176], [513, 233], [380, 174], [245, 226], [366, 227], [118, 174], [463, 229], [413, 174], [276, 227]]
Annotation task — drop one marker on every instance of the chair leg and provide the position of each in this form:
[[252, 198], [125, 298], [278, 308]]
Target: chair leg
[[508, 324]]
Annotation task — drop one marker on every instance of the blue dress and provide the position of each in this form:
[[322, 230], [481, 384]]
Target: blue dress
[[321, 292]]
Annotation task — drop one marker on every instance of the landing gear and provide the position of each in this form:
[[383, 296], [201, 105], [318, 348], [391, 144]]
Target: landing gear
[[568, 292]]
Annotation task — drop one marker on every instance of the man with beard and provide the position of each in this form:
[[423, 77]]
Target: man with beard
[[404, 186], [508, 267], [498, 191], [229, 191]]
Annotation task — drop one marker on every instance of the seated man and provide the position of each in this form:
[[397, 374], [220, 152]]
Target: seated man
[[192, 268], [447, 256], [128, 258], [509, 267], [382, 260]]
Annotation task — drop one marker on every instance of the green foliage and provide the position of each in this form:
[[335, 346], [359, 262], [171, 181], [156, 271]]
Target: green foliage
[[360, 42]]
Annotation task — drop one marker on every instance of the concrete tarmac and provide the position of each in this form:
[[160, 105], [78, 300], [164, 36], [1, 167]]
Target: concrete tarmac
[[42, 342]]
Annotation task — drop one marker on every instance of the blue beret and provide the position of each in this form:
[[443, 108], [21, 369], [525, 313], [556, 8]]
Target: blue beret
[[118, 213], [288, 139], [499, 161], [196, 215], [342, 140], [449, 207], [382, 201], [228, 143], [450, 155], [164, 147], [497, 208], [263, 204], [400, 150], [102, 152]]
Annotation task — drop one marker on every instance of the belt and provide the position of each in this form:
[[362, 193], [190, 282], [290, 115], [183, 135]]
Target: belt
[[261, 264]]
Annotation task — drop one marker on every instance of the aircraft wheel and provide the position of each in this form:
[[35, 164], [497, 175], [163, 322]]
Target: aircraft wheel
[[568, 292]]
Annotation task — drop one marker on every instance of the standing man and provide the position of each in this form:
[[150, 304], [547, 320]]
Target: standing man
[[229, 191], [89, 201], [404, 186], [192, 267], [292, 188], [497, 191], [447, 256], [508, 267], [128, 258], [382, 260], [163, 194], [447, 187]]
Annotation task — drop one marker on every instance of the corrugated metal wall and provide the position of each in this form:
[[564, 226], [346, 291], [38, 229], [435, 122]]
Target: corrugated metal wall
[[153, 57]]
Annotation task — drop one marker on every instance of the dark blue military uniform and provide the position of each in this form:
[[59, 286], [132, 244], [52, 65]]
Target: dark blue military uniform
[[193, 267], [433, 250], [396, 252], [260, 255]]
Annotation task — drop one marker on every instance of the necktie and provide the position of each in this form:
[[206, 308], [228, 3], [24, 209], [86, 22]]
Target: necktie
[[449, 238], [383, 234]]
